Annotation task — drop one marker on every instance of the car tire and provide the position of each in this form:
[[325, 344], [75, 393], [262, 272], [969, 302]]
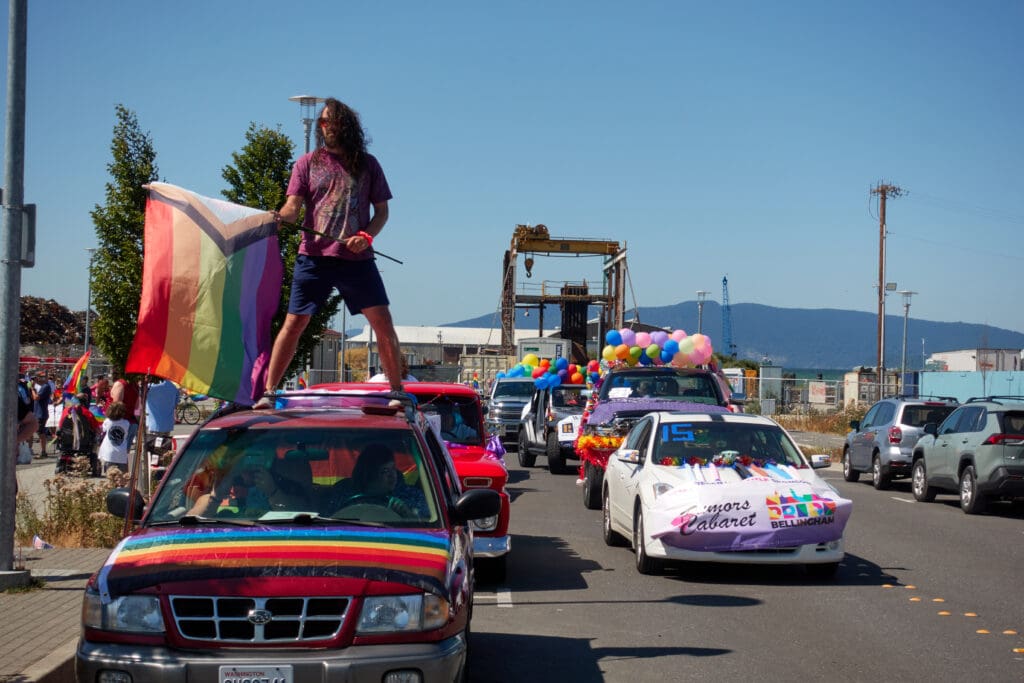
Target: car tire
[[592, 487], [881, 478], [825, 570], [644, 563], [523, 455], [556, 463], [971, 500], [923, 493], [849, 474], [611, 537]]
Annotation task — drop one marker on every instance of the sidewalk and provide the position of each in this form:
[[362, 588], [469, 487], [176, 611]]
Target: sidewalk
[[40, 626]]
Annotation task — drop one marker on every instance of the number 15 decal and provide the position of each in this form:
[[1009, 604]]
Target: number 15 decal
[[677, 431]]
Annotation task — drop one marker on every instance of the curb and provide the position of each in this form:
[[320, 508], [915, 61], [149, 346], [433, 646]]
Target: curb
[[56, 667]]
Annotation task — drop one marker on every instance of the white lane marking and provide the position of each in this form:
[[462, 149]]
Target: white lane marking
[[903, 500], [505, 598]]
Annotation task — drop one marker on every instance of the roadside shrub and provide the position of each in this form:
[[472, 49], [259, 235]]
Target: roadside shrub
[[823, 422], [74, 513]]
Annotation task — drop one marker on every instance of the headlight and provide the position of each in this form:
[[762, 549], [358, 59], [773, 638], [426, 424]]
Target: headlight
[[486, 523], [398, 613], [661, 487], [132, 613]]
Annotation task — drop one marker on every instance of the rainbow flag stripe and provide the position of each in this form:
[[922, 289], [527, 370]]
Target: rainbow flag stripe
[[75, 381], [211, 281], [417, 558]]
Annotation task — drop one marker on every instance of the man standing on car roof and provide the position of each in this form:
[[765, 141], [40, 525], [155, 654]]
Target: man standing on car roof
[[338, 183]]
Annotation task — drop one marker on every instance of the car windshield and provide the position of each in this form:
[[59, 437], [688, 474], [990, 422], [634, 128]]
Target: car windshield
[[919, 416], [695, 388], [703, 443], [523, 390], [373, 476], [457, 418], [569, 397]]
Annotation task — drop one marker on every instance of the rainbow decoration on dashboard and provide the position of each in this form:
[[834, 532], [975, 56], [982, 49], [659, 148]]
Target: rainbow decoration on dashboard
[[416, 558]]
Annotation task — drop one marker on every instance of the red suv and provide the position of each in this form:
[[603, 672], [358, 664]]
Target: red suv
[[455, 412], [327, 538]]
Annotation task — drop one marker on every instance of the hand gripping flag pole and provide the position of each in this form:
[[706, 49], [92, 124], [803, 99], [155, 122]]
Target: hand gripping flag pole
[[296, 226]]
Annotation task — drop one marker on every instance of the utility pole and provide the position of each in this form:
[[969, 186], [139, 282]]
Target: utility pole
[[883, 191]]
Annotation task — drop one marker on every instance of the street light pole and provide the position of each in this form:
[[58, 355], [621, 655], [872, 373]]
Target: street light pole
[[88, 299], [701, 296], [308, 104], [906, 314]]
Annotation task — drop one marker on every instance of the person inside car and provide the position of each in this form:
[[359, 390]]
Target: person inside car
[[375, 480]]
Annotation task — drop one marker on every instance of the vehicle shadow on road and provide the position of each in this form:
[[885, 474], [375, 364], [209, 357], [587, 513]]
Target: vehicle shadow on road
[[853, 571], [500, 657], [544, 563]]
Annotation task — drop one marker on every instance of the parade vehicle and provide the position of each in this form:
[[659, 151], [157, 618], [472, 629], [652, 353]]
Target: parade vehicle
[[455, 413], [627, 394], [721, 487], [327, 538], [549, 425], [505, 408]]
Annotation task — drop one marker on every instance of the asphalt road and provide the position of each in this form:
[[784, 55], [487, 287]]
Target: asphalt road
[[926, 593]]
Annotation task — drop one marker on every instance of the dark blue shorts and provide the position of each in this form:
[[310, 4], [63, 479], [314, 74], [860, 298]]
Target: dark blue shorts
[[358, 282]]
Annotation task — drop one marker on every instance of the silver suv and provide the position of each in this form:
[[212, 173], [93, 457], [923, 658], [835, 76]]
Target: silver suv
[[977, 451], [883, 442]]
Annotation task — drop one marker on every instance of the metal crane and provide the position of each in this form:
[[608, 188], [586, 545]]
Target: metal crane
[[536, 240], [728, 348]]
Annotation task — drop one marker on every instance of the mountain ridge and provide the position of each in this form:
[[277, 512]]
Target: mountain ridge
[[823, 338]]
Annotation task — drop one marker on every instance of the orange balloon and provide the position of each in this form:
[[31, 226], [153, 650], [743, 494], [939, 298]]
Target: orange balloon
[[622, 352]]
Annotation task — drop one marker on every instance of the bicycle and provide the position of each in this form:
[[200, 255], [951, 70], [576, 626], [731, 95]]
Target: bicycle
[[187, 411]]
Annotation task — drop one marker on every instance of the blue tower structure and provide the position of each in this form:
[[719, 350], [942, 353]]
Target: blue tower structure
[[728, 348]]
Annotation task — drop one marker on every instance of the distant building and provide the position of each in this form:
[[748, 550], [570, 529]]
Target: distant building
[[975, 360]]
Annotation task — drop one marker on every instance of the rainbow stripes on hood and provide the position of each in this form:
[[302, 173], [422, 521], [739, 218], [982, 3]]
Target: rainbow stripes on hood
[[211, 281], [415, 558]]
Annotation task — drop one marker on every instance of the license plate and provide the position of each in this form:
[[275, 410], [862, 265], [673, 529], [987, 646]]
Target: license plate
[[256, 674]]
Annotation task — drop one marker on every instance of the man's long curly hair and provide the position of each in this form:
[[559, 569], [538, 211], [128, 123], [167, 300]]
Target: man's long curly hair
[[353, 139]]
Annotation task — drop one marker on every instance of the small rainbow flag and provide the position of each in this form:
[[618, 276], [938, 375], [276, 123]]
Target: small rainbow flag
[[75, 381], [211, 281]]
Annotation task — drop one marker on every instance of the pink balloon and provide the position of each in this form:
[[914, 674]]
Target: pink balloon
[[643, 340], [680, 359], [678, 335]]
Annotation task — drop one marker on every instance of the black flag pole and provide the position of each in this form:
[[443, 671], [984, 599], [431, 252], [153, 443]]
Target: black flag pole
[[332, 237]]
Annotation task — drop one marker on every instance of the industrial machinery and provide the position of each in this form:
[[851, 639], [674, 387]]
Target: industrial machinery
[[573, 299]]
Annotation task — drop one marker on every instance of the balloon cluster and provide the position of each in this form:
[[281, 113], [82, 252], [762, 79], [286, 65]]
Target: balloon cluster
[[547, 373], [656, 348]]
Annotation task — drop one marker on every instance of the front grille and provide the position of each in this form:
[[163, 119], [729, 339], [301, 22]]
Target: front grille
[[238, 619], [506, 412]]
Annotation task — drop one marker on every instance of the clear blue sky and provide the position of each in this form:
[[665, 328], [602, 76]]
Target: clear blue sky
[[740, 139]]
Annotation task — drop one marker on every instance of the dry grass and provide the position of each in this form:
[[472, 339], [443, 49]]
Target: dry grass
[[74, 513], [821, 422]]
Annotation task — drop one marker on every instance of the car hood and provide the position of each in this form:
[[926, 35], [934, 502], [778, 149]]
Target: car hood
[[418, 558], [742, 507]]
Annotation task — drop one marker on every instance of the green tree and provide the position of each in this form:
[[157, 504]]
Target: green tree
[[116, 273], [259, 179]]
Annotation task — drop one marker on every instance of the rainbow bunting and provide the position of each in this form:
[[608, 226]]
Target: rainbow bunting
[[211, 281], [75, 382]]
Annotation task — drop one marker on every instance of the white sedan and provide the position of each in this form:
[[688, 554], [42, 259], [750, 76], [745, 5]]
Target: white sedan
[[721, 487]]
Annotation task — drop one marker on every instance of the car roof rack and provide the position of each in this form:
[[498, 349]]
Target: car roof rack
[[368, 400], [995, 399]]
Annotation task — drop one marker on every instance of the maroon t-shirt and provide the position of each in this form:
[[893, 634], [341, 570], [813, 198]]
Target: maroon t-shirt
[[336, 203]]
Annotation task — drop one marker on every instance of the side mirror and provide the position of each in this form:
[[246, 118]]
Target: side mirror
[[629, 455], [117, 504], [931, 428], [855, 425], [820, 461], [483, 408], [477, 504]]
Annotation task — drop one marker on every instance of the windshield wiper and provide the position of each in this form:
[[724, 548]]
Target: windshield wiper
[[196, 520]]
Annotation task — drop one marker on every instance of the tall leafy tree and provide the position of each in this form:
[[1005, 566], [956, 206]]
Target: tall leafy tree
[[259, 178], [116, 273]]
